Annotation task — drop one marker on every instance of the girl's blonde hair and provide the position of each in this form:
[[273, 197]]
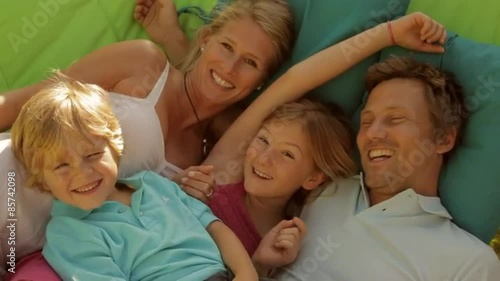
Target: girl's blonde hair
[[331, 143], [273, 16], [63, 108]]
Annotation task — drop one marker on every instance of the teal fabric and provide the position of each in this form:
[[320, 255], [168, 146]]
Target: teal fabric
[[322, 23], [161, 236], [470, 183]]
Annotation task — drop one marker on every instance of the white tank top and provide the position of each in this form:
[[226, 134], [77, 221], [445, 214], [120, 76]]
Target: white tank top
[[144, 141]]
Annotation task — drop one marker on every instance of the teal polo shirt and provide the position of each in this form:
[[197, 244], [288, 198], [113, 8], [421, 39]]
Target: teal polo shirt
[[161, 236]]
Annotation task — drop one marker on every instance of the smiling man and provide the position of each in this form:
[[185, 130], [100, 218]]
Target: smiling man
[[390, 224]]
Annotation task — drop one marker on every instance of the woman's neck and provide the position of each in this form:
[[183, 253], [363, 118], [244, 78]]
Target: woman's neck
[[185, 110], [265, 213]]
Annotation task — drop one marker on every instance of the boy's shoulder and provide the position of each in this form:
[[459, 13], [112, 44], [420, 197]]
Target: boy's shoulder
[[150, 180]]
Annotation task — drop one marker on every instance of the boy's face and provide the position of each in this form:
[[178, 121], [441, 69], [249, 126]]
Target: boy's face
[[84, 175]]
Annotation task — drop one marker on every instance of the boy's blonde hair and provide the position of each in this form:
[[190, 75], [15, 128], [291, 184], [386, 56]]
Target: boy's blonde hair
[[331, 143], [66, 107]]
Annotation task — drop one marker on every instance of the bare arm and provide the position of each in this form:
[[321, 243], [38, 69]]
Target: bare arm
[[106, 67], [297, 81], [411, 31], [233, 253], [159, 19], [176, 46]]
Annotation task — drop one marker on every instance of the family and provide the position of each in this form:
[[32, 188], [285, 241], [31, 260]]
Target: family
[[154, 174]]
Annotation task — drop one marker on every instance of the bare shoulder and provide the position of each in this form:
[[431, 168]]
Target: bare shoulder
[[128, 67]]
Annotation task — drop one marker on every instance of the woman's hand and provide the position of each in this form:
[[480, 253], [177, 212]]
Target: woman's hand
[[418, 32], [197, 181], [280, 246]]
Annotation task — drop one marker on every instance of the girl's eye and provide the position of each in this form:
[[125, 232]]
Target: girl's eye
[[263, 140], [288, 154], [251, 62]]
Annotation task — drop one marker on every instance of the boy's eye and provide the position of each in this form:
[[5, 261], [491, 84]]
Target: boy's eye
[[62, 165], [94, 155], [288, 154]]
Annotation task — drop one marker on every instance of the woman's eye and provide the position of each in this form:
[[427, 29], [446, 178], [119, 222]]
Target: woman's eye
[[227, 46], [288, 154]]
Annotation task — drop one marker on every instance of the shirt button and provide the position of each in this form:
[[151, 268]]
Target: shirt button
[[140, 214], [121, 210]]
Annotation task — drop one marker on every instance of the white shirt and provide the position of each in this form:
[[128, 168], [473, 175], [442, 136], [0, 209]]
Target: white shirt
[[408, 237]]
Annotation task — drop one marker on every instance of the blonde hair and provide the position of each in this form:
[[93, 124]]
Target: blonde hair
[[443, 94], [331, 139], [63, 108], [273, 16]]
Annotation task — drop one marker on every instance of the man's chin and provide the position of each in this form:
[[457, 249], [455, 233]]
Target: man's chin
[[375, 180]]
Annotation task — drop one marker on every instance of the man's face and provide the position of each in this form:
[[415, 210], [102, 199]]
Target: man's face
[[395, 138]]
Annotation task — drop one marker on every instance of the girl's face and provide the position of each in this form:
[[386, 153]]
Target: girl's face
[[84, 175], [278, 161]]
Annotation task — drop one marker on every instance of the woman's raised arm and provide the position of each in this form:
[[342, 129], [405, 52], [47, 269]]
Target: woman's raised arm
[[416, 31]]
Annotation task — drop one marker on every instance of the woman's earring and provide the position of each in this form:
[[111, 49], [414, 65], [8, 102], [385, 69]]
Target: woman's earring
[[259, 88], [202, 48]]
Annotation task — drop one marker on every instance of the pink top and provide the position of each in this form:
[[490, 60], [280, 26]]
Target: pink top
[[228, 205]]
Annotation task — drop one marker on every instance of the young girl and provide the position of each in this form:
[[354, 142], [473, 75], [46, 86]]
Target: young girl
[[143, 227], [294, 150]]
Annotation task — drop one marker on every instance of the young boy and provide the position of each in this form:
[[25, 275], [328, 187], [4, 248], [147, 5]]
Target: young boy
[[103, 228]]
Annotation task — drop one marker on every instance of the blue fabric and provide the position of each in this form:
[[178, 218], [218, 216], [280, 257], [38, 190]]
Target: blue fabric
[[161, 236]]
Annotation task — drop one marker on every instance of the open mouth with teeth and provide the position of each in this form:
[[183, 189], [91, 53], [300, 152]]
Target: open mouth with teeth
[[221, 82], [261, 174], [379, 154], [88, 188]]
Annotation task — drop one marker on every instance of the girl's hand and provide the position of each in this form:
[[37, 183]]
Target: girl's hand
[[280, 246], [418, 32], [197, 181]]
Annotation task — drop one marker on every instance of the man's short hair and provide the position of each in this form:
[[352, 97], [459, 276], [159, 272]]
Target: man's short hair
[[443, 94]]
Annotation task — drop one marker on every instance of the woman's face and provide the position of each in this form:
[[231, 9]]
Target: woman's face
[[234, 62]]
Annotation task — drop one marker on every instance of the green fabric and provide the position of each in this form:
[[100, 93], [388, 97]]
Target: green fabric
[[48, 34], [321, 23], [476, 20], [193, 14], [470, 182], [33, 29]]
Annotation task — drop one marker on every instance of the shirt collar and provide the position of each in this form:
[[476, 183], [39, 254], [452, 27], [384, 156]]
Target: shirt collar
[[59, 208], [431, 205]]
